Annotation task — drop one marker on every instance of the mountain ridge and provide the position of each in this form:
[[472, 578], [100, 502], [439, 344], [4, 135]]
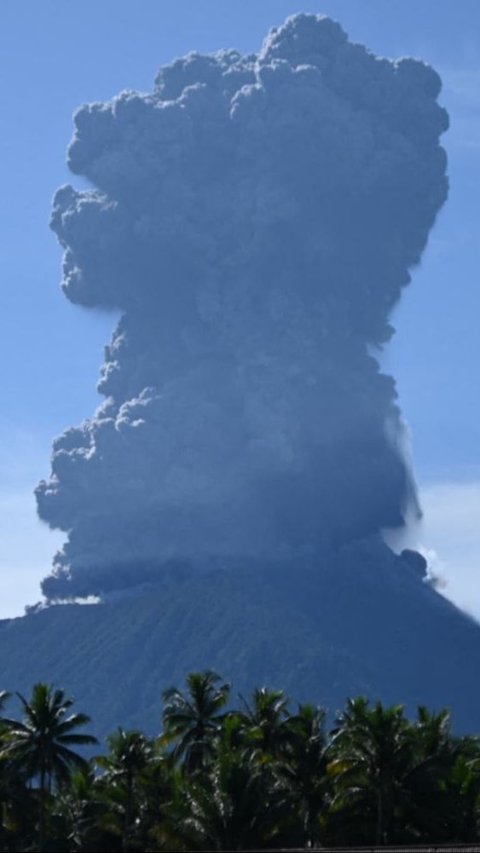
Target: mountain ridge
[[365, 625]]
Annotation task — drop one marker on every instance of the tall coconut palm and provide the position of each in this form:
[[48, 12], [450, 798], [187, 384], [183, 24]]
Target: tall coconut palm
[[265, 722], [371, 756], [235, 804], [303, 770], [40, 745], [129, 758], [444, 781], [78, 810], [193, 719]]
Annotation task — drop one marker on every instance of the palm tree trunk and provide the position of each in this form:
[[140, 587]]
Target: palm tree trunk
[[41, 827], [380, 831], [128, 815]]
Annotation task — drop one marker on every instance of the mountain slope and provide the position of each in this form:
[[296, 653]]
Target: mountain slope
[[359, 625]]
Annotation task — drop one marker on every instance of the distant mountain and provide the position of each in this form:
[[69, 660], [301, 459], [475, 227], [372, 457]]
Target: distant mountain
[[364, 622]]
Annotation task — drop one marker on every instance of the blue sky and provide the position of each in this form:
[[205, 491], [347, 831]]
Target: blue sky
[[55, 56]]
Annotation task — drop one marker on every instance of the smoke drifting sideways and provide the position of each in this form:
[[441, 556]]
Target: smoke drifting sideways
[[255, 219]]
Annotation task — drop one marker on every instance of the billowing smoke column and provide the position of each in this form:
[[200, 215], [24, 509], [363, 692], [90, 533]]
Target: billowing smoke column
[[255, 220]]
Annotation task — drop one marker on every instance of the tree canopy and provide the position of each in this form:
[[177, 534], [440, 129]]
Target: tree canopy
[[259, 773]]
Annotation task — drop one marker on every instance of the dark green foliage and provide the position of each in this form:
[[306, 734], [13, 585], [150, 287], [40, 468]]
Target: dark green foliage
[[40, 744], [259, 776], [302, 772], [371, 756], [38, 750], [236, 804], [193, 720]]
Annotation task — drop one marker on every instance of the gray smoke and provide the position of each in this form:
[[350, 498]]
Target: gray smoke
[[255, 219]]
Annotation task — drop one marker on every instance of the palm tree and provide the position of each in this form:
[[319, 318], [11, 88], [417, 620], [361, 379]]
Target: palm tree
[[78, 811], [462, 797], [10, 784], [265, 722], [193, 720], [40, 745], [235, 803], [129, 758], [303, 769], [371, 756], [444, 781]]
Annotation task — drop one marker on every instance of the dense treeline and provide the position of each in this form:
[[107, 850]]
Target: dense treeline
[[216, 778]]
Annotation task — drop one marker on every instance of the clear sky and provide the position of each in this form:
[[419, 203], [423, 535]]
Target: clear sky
[[57, 54]]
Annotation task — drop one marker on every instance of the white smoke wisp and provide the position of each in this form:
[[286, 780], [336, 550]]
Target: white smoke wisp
[[255, 219]]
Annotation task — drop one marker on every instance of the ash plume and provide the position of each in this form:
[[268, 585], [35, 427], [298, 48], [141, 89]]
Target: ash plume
[[255, 219]]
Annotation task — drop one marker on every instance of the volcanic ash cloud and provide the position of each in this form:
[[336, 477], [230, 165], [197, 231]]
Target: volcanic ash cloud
[[254, 219]]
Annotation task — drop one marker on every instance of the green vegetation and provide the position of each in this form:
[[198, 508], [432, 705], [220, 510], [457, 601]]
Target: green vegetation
[[261, 775]]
